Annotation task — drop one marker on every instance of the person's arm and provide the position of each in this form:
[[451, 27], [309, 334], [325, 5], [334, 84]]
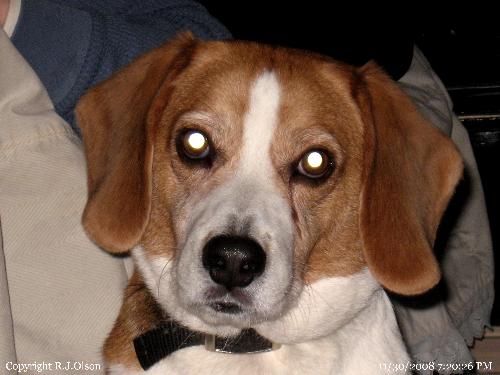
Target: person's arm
[[74, 44]]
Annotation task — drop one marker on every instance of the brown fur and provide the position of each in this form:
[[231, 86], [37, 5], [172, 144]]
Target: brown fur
[[410, 174], [139, 313], [394, 172], [117, 137]]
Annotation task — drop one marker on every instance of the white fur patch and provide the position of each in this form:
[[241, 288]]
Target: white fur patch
[[258, 127], [341, 325], [154, 271]]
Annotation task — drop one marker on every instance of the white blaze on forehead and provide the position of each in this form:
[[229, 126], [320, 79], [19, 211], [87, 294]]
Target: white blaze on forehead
[[259, 124]]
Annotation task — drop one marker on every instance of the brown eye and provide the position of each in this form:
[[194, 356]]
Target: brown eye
[[315, 164], [195, 144]]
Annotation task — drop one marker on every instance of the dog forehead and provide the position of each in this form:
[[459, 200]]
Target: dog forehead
[[313, 90]]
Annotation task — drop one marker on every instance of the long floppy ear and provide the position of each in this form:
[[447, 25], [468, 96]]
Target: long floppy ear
[[117, 120], [411, 170]]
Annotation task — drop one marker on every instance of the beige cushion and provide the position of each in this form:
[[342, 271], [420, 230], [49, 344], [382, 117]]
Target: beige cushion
[[63, 292]]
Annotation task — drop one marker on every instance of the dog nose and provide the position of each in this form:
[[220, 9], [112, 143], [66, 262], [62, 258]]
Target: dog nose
[[233, 261]]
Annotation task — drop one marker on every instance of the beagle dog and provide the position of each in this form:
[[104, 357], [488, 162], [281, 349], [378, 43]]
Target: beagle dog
[[268, 197]]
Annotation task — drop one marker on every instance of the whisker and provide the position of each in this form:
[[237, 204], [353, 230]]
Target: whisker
[[162, 273]]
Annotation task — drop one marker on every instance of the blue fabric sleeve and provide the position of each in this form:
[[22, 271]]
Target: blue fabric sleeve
[[72, 45]]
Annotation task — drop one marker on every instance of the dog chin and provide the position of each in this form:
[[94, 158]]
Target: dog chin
[[223, 319], [228, 318], [237, 317], [228, 314], [206, 319]]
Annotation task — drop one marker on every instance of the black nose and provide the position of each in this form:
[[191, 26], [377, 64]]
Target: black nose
[[233, 261]]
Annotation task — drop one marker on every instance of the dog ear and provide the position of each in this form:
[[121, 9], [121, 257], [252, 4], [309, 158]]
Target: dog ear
[[117, 120], [411, 170]]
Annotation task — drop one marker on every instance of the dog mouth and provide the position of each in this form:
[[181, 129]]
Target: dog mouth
[[237, 308], [226, 307], [223, 301]]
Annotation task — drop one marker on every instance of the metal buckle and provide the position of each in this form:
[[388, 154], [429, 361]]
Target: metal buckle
[[218, 346], [210, 343]]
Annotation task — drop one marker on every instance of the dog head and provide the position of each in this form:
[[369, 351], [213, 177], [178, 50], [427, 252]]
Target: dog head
[[245, 172]]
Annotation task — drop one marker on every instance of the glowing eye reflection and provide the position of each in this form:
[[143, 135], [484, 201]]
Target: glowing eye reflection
[[196, 141], [195, 145], [314, 159], [314, 164]]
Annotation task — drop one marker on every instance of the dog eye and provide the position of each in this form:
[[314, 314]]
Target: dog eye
[[315, 164], [194, 144]]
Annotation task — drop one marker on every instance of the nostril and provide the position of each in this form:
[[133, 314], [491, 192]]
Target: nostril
[[253, 265], [233, 261], [217, 263]]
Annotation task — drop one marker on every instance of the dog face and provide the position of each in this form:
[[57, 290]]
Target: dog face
[[245, 172], [252, 184]]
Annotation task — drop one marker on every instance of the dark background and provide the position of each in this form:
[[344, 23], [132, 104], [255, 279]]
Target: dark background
[[462, 45]]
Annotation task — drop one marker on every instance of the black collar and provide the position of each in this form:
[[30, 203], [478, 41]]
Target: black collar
[[170, 336]]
